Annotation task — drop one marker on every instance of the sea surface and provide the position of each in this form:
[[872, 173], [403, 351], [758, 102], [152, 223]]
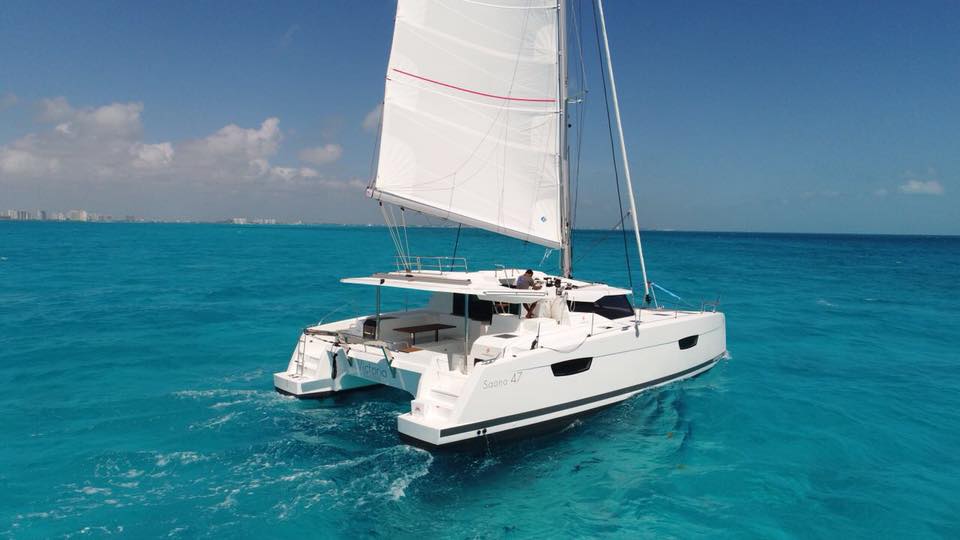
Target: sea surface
[[137, 399]]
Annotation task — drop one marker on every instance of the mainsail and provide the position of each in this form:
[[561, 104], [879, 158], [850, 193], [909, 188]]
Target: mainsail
[[471, 115]]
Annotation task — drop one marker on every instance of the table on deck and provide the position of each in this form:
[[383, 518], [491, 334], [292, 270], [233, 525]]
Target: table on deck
[[414, 330]]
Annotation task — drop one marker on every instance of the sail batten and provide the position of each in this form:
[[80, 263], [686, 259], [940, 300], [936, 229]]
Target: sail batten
[[471, 115]]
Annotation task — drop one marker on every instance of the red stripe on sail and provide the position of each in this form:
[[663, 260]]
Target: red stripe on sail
[[467, 90]]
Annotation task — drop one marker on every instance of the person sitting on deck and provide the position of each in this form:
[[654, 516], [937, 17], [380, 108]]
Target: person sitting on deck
[[526, 281]]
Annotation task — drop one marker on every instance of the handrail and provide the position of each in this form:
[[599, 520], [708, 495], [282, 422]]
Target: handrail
[[497, 268], [417, 263]]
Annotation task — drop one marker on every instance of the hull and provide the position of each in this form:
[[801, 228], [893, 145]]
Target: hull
[[545, 421], [513, 396], [539, 380]]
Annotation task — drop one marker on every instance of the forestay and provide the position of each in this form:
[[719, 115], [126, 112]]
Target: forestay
[[471, 115]]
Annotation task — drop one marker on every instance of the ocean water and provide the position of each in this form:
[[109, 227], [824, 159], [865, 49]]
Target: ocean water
[[136, 362]]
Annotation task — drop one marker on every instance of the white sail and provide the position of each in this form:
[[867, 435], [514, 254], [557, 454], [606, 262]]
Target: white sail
[[471, 115]]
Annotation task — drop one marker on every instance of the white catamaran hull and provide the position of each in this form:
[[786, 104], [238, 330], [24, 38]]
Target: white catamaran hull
[[518, 381]]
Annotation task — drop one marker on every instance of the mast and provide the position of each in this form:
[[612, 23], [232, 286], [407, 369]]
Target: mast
[[566, 224], [623, 150]]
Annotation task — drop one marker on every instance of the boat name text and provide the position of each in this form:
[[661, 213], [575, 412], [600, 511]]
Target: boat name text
[[487, 384], [372, 371]]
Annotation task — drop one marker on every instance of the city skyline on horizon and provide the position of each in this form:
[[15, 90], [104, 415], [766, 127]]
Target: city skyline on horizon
[[94, 217], [814, 118]]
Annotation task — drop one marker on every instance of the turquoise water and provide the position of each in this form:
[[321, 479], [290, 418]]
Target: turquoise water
[[136, 362]]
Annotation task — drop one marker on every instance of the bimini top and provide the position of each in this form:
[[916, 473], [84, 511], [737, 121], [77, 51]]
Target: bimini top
[[491, 285]]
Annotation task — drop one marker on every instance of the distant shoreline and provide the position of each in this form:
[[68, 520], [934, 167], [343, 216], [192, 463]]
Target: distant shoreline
[[380, 226]]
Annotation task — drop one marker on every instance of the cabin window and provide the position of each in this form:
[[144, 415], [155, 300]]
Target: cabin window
[[571, 367], [688, 342], [611, 307], [482, 310]]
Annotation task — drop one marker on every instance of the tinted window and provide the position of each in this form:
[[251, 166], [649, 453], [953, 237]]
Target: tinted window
[[611, 307], [480, 310], [571, 367]]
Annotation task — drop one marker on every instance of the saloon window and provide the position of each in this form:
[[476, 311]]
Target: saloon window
[[611, 307], [480, 310]]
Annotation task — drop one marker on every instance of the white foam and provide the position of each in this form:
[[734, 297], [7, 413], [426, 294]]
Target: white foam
[[216, 393], [223, 404], [398, 488], [220, 420], [184, 458], [132, 473]]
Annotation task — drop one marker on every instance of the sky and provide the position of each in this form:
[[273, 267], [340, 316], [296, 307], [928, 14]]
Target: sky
[[768, 116]]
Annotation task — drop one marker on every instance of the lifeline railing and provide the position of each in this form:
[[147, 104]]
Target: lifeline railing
[[705, 305], [508, 273], [416, 263]]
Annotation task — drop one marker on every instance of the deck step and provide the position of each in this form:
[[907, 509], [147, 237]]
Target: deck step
[[444, 396], [433, 408]]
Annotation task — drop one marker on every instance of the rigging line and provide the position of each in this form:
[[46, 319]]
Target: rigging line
[[546, 255], [613, 150], [610, 231], [394, 235], [582, 106], [406, 238], [456, 242], [386, 220], [396, 228], [657, 286], [581, 119]]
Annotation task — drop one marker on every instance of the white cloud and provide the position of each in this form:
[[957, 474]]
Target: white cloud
[[372, 120], [882, 192], [20, 162], [115, 120], [104, 144], [148, 156], [259, 167], [233, 140], [55, 109], [921, 184], [322, 155], [293, 173], [922, 187], [8, 100], [100, 154], [355, 185]]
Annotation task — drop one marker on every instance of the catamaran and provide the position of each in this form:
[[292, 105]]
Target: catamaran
[[474, 130]]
